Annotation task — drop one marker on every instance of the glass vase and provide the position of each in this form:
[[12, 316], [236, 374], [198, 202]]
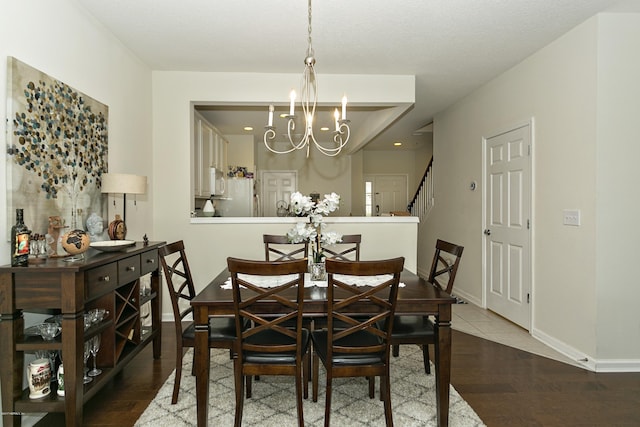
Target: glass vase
[[317, 271]]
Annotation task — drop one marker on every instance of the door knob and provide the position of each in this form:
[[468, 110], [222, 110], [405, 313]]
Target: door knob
[[487, 232]]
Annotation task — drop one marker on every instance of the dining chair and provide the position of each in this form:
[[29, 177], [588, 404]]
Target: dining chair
[[279, 248], [270, 346], [362, 348], [182, 290], [412, 329], [347, 250]]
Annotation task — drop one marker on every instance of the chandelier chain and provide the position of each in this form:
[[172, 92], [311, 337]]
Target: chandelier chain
[[310, 48]]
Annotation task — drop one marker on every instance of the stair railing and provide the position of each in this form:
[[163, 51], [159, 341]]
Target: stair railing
[[423, 200]]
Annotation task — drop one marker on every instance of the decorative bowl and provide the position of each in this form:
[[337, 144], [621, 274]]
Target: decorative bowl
[[112, 245], [49, 331]]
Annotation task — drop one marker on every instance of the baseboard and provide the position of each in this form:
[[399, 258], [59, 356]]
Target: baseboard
[[586, 361], [467, 297]]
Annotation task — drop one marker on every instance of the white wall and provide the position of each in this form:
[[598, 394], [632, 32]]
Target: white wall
[[617, 153], [64, 42], [583, 109], [173, 92]]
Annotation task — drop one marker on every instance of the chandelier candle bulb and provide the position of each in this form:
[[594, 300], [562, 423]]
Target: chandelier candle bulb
[[336, 115], [292, 96], [344, 107], [270, 115]]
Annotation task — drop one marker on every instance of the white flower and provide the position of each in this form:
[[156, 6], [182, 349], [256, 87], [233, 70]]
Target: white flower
[[309, 231], [300, 205], [331, 238], [301, 233]]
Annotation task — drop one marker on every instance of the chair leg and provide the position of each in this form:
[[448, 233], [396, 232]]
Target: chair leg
[[314, 380], [372, 387], [395, 349], [386, 391], [178, 377], [299, 392], [249, 386], [327, 403], [306, 370], [425, 358], [239, 383]]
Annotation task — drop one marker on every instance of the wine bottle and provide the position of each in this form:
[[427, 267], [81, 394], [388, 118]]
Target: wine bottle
[[20, 235]]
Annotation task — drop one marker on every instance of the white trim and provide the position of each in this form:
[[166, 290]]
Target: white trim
[[293, 220]]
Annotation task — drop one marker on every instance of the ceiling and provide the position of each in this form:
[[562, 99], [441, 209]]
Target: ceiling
[[451, 46]]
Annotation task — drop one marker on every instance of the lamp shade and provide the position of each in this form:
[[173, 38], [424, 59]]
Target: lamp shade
[[122, 183]]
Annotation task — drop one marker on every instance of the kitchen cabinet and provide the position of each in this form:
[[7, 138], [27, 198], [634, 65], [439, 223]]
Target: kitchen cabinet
[[209, 150], [109, 280]]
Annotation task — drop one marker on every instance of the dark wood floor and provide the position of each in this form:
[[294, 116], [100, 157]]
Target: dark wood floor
[[505, 386]]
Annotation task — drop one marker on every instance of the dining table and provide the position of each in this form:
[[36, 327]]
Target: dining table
[[415, 296]]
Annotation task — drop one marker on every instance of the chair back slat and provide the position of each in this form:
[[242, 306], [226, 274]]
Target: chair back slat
[[444, 267], [279, 248], [260, 304], [347, 250], [178, 277], [344, 298]]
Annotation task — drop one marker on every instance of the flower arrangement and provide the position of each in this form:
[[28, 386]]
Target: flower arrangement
[[313, 231]]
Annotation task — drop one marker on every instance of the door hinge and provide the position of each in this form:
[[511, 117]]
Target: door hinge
[[528, 298], [528, 224]]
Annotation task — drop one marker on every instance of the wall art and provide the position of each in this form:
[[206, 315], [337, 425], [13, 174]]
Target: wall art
[[57, 145]]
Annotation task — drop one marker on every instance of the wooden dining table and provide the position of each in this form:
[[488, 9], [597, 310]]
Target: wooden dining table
[[416, 297]]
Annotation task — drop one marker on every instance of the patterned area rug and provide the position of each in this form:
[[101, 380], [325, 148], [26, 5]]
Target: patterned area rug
[[273, 403]]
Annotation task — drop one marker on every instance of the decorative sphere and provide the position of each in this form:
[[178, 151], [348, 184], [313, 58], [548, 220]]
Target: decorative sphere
[[76, 242]]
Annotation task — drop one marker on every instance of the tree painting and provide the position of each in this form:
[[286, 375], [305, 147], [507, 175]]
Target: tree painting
[[59, 138]]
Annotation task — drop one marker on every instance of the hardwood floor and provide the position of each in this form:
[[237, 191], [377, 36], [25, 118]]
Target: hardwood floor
[[504, 385]]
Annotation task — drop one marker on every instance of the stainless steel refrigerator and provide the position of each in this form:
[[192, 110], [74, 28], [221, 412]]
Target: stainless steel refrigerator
[[239, 198]]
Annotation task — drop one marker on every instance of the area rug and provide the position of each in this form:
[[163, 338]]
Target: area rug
[[273, 402]]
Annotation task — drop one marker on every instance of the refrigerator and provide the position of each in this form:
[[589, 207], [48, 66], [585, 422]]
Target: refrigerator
[[239, 198]]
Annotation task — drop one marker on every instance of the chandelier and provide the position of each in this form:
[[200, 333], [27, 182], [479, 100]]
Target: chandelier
[[308, 101]]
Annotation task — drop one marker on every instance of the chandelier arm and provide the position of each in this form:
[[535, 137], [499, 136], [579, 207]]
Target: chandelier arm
[[270, 135]]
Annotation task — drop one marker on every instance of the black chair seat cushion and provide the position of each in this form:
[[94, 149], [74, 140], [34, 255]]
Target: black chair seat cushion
[[270, 337], [360, 339], [220, 329], [408, 326]]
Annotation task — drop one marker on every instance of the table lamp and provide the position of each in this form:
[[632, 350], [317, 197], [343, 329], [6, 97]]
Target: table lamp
[[120, 183]]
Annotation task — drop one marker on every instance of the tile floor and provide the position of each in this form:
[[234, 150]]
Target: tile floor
[[473, 320]]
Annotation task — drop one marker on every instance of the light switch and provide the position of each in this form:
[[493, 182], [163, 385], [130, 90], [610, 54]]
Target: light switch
[[571, 217]]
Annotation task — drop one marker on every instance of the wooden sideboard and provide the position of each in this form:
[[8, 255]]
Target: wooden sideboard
[[108, 280]]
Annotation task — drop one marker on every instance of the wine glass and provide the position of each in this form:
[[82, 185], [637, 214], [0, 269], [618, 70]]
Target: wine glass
[[87, 352], [94, 346]]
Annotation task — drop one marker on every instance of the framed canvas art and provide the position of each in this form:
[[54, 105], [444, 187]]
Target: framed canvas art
[[57, 145]]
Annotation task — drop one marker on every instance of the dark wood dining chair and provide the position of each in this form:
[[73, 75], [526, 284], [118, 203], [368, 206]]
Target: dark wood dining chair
[[409, 329], [270, 346], [279, 248], [347, 250], [362, 348], [182, 290]]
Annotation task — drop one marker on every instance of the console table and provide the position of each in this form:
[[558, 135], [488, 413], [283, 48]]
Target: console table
[[108, 280]]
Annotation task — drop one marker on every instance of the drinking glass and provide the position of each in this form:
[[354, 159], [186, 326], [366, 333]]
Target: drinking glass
[[87, 353], [93, 348]]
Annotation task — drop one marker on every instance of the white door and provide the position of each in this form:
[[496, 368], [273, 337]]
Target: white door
[[276, 186], [390, 193], [507, 224]]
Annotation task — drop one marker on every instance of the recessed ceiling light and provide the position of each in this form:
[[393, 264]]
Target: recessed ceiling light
[[248, 128], [324, 128], [397, 143]]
